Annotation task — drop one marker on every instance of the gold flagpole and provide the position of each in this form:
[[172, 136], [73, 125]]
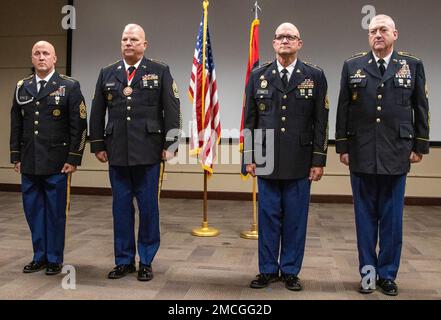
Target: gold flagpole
[[205, 230], [253, 234]]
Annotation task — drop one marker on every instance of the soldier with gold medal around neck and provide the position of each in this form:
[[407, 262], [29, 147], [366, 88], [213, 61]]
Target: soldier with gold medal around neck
[[286, 120], [48, 136], [382, 128], [142, 102]]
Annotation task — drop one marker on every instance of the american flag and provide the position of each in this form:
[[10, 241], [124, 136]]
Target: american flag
[[205, 128]]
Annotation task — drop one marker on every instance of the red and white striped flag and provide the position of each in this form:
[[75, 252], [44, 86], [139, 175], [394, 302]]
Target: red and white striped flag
[[205, 128]]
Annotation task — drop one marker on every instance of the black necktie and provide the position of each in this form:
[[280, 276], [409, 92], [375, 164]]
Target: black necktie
[[285, 78], [131, 69], [42, 84], [381, 67]]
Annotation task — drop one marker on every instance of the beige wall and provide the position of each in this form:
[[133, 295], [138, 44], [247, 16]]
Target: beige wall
[[21, 25], [19, 29]]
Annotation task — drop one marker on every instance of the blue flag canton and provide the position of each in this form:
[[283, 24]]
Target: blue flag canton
[[209, 62]]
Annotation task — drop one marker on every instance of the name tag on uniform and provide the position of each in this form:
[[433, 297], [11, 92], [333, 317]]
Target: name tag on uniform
[[262, 91], [110, 86], [355, 80]]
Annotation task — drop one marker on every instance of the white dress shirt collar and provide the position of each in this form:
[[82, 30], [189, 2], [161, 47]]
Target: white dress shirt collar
[[127, 66], [290, 68], [386, 59], [48, 77]]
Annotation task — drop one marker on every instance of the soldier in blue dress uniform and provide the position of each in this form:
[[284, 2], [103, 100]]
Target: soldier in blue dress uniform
[[48, 135], [382, 127], [285, 145], [142, 102]]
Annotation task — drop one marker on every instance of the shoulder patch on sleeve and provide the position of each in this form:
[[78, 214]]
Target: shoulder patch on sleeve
[[406, 54], [175, 89], [83, 110], [357, 55]]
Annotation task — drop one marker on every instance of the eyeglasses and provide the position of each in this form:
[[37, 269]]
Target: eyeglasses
[[288, 37]]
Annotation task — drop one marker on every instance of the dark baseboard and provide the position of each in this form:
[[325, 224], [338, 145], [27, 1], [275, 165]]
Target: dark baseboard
[[235, 196]]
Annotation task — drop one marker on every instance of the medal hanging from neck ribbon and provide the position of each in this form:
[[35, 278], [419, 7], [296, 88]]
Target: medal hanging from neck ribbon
[[128, 90]]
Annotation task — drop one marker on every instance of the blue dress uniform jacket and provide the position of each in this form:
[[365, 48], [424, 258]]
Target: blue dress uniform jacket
[[138, 124], [49, 128], [380, 120], [298, 115]]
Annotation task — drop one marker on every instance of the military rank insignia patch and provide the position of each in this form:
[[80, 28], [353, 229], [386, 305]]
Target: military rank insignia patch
[[327, 102], [175, 90], [83, 111]]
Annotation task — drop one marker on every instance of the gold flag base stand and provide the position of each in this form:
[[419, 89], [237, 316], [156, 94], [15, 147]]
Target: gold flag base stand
[[205, 231], [252, 234]]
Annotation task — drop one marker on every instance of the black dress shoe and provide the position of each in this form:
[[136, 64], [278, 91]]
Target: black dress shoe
[[53, 269], [121, 270], [34, 266], [388, 287], [263, 280], [145, 272], [292, 282], [364, 290]]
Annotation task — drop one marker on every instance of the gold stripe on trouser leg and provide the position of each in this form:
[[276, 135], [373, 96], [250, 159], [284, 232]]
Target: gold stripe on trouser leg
[[69, 179], [161, 177]]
